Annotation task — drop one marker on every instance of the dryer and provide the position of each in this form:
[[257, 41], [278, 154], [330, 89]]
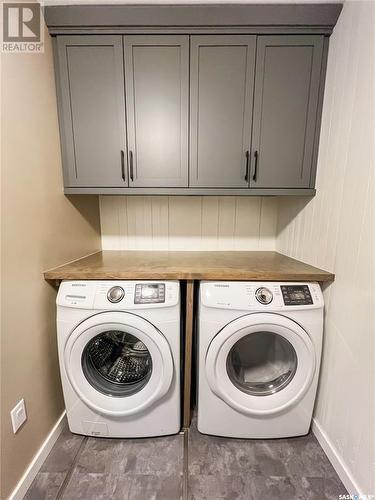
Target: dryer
[[259, 350], [119, 355]]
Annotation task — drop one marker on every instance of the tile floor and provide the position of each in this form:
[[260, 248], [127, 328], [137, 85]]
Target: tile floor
[[190, 466]]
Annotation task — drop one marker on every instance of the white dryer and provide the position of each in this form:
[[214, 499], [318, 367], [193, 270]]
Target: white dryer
[[259, 350], [119, 354]]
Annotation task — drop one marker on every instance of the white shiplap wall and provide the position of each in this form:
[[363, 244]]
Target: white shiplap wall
[[188, 223], [335, 231]]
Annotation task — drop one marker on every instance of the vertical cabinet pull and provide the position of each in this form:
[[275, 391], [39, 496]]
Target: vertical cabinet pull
[[123, 165], [256, 166], [131, 165], [247, 154]]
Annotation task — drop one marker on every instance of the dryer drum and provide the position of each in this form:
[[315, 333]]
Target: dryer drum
[[262, 363]]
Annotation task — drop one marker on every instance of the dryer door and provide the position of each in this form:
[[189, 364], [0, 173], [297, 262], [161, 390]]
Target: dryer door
[[261, 363], [118, 363]]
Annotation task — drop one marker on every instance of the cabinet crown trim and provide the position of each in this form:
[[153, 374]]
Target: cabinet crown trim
[[62, 17]]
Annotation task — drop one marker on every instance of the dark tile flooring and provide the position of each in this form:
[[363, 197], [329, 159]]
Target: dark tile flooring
[[191, 466]]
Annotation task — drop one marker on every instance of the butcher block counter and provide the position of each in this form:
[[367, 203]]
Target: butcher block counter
[[247, 266]]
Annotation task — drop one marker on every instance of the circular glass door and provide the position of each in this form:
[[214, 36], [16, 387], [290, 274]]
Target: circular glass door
[[116, 363], [261, 363]]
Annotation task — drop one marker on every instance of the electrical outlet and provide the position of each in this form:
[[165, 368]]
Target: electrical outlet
[[18, 415]]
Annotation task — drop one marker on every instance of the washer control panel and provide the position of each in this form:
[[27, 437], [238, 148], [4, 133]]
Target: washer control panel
[[149, 293], [296, 295], [118, 295]]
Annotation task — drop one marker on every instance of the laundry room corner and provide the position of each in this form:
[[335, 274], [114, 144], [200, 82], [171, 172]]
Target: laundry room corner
[[335, 230], [40, 228]]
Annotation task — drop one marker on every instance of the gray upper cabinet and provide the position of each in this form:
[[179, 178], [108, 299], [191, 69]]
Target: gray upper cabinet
[[286, 101], [221, 114], [90, 85], [221, 96], [157, 86]]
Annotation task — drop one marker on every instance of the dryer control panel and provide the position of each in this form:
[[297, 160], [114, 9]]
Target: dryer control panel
[[261, 296], [296, 295]]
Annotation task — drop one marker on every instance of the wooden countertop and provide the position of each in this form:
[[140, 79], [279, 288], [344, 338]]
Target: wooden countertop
[[247, 266]]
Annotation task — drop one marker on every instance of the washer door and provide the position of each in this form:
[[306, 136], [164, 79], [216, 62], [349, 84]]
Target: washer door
[[261, 363], [118, 363]]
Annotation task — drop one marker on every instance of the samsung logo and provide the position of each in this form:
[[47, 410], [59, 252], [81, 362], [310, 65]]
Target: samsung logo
[[78, 284], [222, 286]]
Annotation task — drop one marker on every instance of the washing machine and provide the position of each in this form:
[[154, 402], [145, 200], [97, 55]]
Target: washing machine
[[259, 350], [119, 355]]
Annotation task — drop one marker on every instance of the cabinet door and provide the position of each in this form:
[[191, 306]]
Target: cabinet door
[[221, 86], [285, 110], [156, 75], [90, 84]]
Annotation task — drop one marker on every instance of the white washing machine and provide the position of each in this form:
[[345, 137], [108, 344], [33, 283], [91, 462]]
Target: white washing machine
[[119, 354], [259, 349]]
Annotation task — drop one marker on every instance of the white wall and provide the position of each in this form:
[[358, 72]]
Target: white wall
[[335, 231], [188, 223]]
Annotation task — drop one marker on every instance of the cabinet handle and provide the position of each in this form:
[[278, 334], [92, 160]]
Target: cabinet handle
[[131, 165], [247, 154], [122, 165], [256, 166]]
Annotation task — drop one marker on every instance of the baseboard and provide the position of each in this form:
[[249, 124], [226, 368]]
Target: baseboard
[[336, 460], [24, 483]]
